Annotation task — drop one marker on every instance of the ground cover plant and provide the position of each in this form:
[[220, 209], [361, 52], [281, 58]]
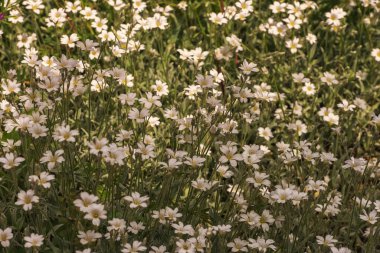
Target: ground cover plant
[[192, 126]]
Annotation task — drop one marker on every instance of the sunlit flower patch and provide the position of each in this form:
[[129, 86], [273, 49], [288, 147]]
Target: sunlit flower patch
[[190, 126]]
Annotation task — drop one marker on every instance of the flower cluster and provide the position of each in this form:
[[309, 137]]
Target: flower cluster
[[192, 126]]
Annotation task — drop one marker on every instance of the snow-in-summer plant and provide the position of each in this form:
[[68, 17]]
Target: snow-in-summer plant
[[190, 126]]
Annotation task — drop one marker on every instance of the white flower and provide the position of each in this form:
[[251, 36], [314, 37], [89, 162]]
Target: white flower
[[160, 88], [266, 133], [160, 249], [192, 91], [340, 250], [137, 115], [146, 151], [136, 200], [293, 45], [247, 68], [185, 246], [357, 164], [195, 161], [202, 184], [229, 155], [334, 16], [26, 199], [309, 89], [264, 220], [43, 179], [34, 240], [88, 237], [299, 127], [99, 24], [328, 241], [95, 213], [329, 78], [98, 146], [135, 227], [182, 229], [157, 21], [261, 244], [73, 7], [11, 161], [259, 179], [371, 217], [293, 22], [85, 201], [238, 245], [282, 195], [88, 13], [182, 5], [235, 42], [52, 159], [311, 38], [35, 5], [376, 54], [69, 40], [218, 18], [5, 236], [64, 133], [277, 7], [172, 214], [116, 224], [224, 172], [10, 86], [134, 248], [346, 106]]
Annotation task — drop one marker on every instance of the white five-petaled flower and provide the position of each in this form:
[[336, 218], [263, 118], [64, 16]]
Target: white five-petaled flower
[[238, 245], [266, 133], [136, 200], [69, 40], [52, 159], [328, 240], [375, 53], [11, 161], [218, 18], [329, 78], [26, 199], [43, 179], [248, 67], [371, 217], [293, 45], [64, 133], [85, 201], [95, 213], [134, 248], [5, 236], [89, 236], [34, 240], [261, 244]]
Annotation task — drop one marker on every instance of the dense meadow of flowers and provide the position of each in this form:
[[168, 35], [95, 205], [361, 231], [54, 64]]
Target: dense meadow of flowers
[[190, 126]]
